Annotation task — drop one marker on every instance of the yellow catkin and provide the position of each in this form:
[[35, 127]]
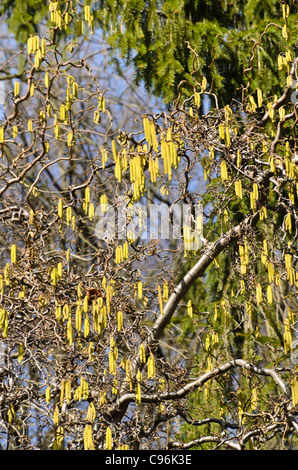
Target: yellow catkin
[[204, 84], [118, 254], [112, 360], [86, 326], [256, 191], [43, 48], [59, 270], [252, 201], [239, 158], [13, 254], [101, 103], [16, 89], [38, 59], [118, 168], [243, 259], [68, 215], [147, 132], [104, 157], [285, 14], [142, 354], [272, 164], [57, 131], [91, 351], [79, 27], [86, 304], [48, 394], [58, 311], [221, 132], [294, 389], [189, 308], [114, 149], [103, 398], [124, 161], [227, 137], [269, 294], [259, 295], [281, 113], [54, 276], [197, 99], [7, 274], [62, 112], [153, 169], [125, 250], [103, 203], [108, 297], [289, 268], [151, 366], [87, 195], [160, 300], [280, 62], [84, 388], [56, 415], [288, 222], [119, 320], [47, 80], [153, 136], [70, 139], [30, 45], [287, 336], [60, 208], [173, 155], [4, 322], [291, 316], [109, 439], [140, 289], [264, 253], [91, 413], [69, 332], [165, 294], [270, 270], [238, 189], [67, 390], [285, 32], [223, 171], [259, 97], [20, 352], [88, 441], [138, 396], [128, 372], [263, 213], [91, 211], [87, 12]]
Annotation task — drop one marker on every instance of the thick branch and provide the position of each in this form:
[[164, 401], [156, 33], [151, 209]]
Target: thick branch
[[212, 250], [182, 392]]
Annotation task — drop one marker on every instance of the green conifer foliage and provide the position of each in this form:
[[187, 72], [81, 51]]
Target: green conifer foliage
[[157, 37]]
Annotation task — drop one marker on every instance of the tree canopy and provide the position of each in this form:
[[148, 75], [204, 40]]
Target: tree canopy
[[236, 42], [148, 276]]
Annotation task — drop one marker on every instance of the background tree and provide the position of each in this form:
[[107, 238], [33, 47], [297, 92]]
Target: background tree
[[114, 342], [157, 37]]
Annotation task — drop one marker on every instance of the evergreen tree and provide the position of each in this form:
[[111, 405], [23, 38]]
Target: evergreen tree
[[236, 42]]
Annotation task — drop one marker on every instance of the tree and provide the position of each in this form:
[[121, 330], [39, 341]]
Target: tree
[[157, 38], [117, 335]]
